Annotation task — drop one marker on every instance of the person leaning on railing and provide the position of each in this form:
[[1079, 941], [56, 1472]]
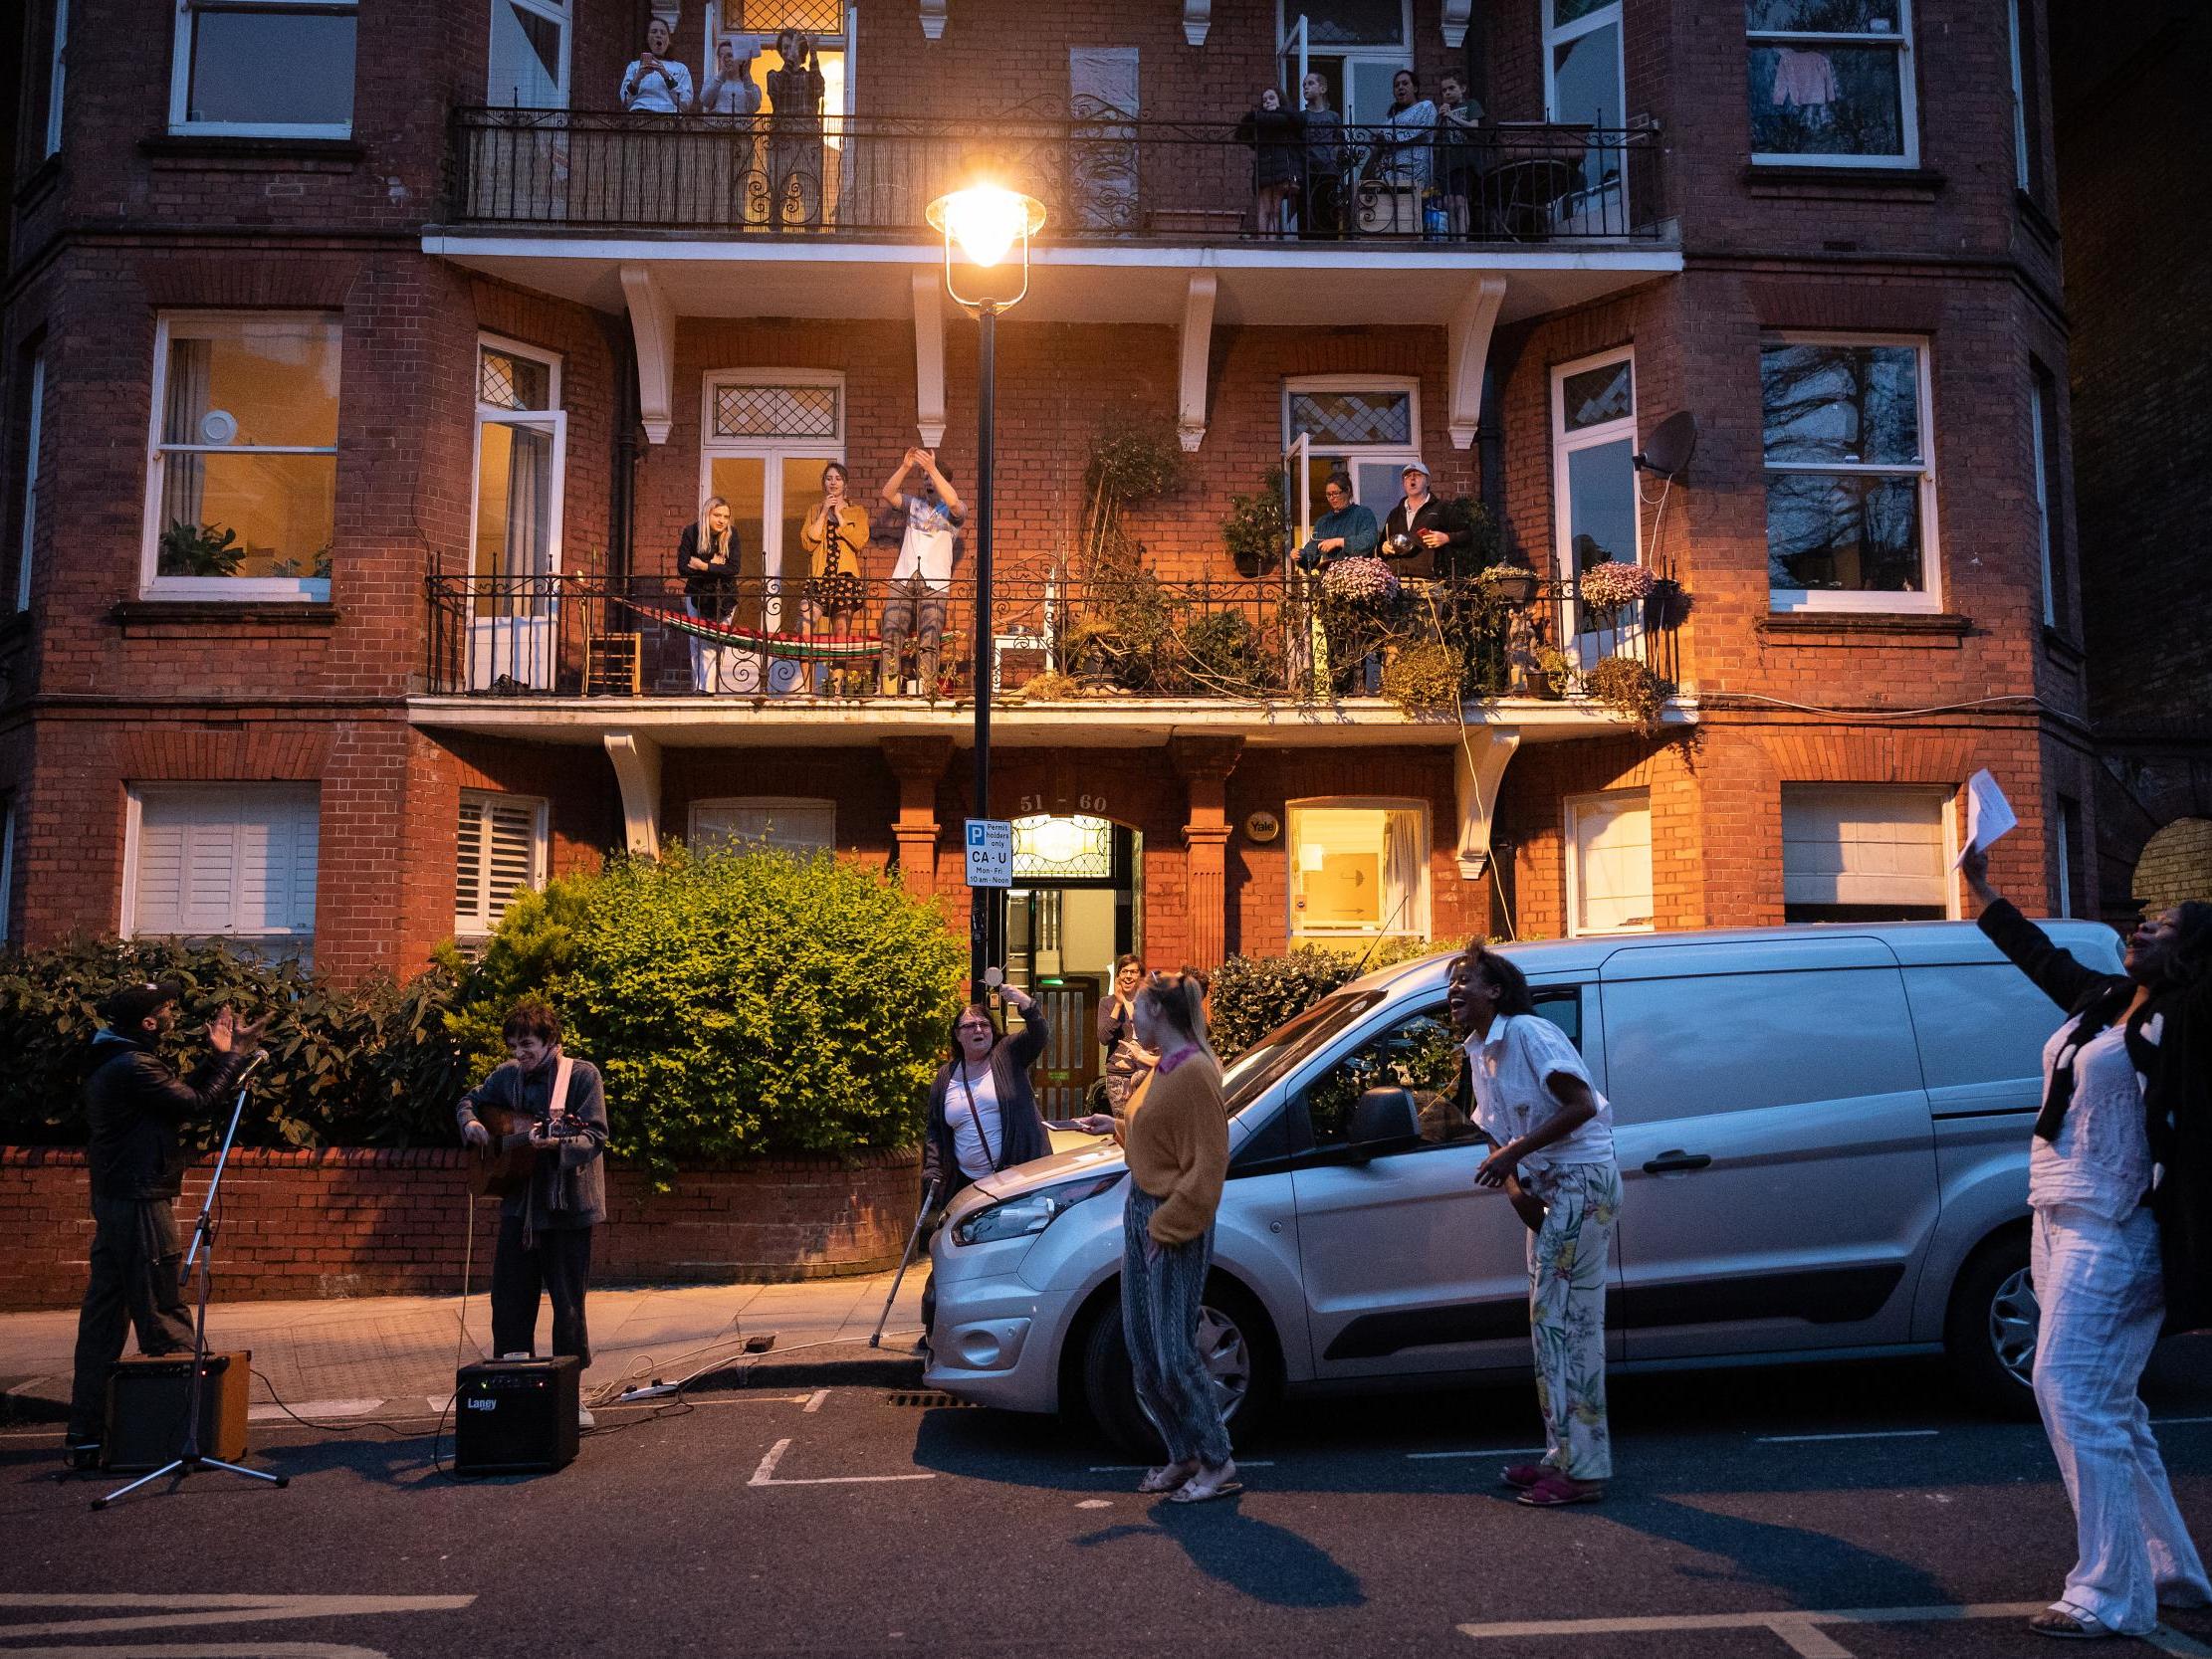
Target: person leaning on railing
[[1458, 119], [707, 561], [1321, 206]]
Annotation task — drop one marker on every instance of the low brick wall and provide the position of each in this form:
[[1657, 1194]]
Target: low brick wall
[[353, 1222]]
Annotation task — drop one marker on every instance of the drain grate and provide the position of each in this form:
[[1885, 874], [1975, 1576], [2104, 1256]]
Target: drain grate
[[929, 1399]]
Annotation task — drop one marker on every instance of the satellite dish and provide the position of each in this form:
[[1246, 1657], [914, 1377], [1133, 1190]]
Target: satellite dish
[[1674, 442]]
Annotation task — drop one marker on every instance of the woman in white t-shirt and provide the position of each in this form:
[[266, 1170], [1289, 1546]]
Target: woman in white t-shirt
[[1552, 1137], [653, 81]]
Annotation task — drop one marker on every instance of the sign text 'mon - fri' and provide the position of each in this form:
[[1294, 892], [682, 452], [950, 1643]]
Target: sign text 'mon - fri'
[[989, 852]]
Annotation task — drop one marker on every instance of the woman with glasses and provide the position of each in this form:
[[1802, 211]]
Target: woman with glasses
[[983, 1114]]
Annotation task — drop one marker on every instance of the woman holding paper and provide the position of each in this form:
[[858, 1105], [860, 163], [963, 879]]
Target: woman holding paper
[[2120, 1182]]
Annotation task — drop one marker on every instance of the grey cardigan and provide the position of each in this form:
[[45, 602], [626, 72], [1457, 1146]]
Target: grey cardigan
[[568, 1187], [1021, 1133]]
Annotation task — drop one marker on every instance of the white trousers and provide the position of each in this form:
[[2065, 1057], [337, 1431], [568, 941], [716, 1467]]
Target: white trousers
[[2104, 1299]]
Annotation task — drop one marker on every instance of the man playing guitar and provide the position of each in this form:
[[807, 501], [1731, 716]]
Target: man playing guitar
[[539, 1122]]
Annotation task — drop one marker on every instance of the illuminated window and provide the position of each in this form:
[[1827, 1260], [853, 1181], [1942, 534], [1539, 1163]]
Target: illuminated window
[[1359, 868], [1062, 849]]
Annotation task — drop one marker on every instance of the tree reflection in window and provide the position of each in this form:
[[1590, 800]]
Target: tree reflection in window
[[1421, 1054]]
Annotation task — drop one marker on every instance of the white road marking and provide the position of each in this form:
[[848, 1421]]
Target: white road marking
[[815, 1401], [1803, 1632], [2161, 1422], [1146, 1468], [1503, 1451], [1870, 1434], [1094, 1504], [146, 1612], [766, 1475], [312, 1409]]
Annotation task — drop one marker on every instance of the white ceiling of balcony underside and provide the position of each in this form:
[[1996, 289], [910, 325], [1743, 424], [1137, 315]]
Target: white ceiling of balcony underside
[[1300, 287]]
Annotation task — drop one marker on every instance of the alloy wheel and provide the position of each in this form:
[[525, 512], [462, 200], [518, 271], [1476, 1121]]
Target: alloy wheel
[[2014, 1317], [1227, 1358]]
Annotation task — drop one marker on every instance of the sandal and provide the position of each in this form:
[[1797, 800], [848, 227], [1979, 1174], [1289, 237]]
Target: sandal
[[1199, 1490], [2071, 1623], [1521, 1476], [1555, 1491], [1168, 1477]]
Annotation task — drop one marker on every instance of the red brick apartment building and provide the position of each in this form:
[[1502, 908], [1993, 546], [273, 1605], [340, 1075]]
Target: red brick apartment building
[[364, 360]]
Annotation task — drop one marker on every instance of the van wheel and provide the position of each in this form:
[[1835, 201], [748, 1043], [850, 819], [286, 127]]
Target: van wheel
[[1989, 1336], [1235, 1341]]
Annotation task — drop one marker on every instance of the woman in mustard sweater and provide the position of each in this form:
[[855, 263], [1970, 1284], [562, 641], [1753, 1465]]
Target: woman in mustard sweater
[[1178, 1147]]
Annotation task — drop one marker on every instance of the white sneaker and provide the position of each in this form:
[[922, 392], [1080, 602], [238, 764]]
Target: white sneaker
[[585, 1419]]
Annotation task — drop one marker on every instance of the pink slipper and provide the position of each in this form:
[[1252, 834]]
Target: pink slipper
[[1555, 1491], [1521, 1476]]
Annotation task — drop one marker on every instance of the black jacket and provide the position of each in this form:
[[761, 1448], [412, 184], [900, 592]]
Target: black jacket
[[2177, 1098], [1421, 559], [713, 592], [133, 1102], [1021, 1133]]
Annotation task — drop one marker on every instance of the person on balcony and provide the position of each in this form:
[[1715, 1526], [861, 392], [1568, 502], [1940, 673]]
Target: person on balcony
[[1403, 163], [733, 90], [796, 133], [707, 562], [922, 579], [1273, 133], [653, 83], [1458, 119], [1346, 531], [833, 536], [1418, 537], [1321, 209], [734, 170]]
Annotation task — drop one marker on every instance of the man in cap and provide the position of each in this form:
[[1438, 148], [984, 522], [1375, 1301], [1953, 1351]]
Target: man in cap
[[134, 1103], [1417, 539]]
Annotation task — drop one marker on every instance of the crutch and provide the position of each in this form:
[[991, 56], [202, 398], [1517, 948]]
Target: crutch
[[929, 1199]]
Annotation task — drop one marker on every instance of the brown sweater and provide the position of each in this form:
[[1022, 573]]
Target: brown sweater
[[1178, 1147]]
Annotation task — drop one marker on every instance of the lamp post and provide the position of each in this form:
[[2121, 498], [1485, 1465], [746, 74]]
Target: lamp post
[[987, 223]]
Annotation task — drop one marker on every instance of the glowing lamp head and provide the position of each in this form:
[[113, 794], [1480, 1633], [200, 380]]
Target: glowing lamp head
[[985, 221]]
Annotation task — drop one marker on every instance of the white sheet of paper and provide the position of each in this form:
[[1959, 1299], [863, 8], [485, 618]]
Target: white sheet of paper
[[1988, 814]]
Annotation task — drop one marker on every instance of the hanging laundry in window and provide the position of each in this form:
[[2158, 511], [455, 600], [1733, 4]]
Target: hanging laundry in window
[[1804, 81]]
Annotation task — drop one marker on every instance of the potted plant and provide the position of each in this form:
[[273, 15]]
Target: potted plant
[[1254, 530], [1631, 690], [1665, 605], [1514, 584], [1610, 585]]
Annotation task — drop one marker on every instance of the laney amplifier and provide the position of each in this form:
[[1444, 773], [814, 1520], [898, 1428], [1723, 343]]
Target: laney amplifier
[[516, 1416], [147, 1404]]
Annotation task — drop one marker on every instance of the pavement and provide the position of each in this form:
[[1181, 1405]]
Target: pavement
[[362, 1357]]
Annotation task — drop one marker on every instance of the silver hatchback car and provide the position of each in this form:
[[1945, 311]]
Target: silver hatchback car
[[1823, 1134]]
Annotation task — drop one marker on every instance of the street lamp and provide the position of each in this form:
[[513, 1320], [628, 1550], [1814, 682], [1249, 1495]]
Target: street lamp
[[988, 224]]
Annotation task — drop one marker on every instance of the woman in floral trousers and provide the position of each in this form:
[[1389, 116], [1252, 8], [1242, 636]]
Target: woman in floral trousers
[[1552, 1137]]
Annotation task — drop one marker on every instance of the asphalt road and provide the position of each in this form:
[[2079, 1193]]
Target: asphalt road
[[851, 1522]]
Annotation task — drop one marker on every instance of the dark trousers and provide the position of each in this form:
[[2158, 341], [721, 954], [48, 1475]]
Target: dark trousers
[[559, 1265], [133, 1286]]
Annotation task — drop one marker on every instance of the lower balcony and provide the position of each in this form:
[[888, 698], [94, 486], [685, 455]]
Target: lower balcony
[[1121, 659]]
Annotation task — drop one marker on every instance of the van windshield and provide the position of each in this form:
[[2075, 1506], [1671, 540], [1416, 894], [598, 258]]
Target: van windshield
[[1251, 1073]]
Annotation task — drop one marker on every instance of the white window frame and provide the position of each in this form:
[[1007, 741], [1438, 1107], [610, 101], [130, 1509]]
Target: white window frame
[[1908, 115], [1419, 926], [2061, 838], [1577, 805], [2014, 24], [1354, 454], [1947, 816], [1564, 444], [57, 75], [561, 11], [153, 584], [1399, 55], [1930, 601], [553, 420], [181, 75], [1556, 35], [482, 924], [773, 452], [301, 944], [32, 437], [763, 803]]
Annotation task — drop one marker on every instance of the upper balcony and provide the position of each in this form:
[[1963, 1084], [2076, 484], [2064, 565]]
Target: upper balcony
[[829, 222]]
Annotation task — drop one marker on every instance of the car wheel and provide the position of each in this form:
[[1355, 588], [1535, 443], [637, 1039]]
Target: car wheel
[[1235, 1344], [1990, 1334]]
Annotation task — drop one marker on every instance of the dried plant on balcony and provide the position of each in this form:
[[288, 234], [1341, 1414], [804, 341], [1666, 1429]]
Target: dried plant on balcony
[[1631, 690], [1256, 531], [1132, 460], [1424, 679]]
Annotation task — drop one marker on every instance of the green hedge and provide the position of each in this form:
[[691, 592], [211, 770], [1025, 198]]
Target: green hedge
[[1251, 995], [364, 1065]]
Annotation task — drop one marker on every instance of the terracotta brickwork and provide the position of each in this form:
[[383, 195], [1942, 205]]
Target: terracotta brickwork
[[396, 1223]]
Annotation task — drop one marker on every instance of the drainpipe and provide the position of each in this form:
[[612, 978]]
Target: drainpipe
[[622, 488]]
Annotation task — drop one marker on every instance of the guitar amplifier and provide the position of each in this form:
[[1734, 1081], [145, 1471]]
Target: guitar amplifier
[[516, 1416], [145, 1409]]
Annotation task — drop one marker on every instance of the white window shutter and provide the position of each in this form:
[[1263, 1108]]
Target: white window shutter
[[216, 861], [498, 852], [1861, 846], [468, 868], [512, 859]]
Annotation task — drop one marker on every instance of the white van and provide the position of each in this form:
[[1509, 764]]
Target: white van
[[1823, 1134]]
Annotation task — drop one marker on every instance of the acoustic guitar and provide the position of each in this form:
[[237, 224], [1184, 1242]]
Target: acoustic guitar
[[501, 1168]]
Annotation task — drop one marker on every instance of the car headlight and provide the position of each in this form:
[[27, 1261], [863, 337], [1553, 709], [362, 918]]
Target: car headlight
[[1033, 1213]]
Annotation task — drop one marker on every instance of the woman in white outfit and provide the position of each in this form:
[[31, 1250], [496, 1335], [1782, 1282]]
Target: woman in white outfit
[[2115, 1161]]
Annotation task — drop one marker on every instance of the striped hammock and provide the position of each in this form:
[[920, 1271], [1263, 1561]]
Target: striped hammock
[[812, 648]]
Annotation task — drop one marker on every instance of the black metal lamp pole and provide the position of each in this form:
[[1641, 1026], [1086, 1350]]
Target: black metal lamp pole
[[983, 921]]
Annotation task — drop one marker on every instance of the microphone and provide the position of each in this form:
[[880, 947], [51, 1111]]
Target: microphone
[[259, 1055]]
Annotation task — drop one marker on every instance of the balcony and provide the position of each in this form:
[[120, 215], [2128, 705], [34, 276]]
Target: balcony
[[1122, 660], [1166, 183]]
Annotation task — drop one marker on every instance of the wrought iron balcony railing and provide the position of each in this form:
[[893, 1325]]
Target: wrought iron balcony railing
[[1170, 181], [1264, 641]]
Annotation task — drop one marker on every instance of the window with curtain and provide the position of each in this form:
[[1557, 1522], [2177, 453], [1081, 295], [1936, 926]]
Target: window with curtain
[[1849, 474], [500, 851], [1594, 496], [234, 862], [529, 67], [1831, 82], [1358, 869], [520, 452], [750, 823], [2051, 544], [264, 67], [1864, 853], [1609, 863], [244, 482]]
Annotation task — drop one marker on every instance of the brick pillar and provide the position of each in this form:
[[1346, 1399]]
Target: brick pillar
[[1204, 764], [919, 764]]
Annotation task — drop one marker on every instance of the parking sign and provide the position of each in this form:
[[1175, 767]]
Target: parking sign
[[989, 852]]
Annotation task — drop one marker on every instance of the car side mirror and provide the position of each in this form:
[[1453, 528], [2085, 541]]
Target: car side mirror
[[1384, 1120]]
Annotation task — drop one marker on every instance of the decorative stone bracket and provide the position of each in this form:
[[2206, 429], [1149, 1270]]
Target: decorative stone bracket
[[932, 20], [1455, 15], [654, 328], [1196, 343], [637, 769], [1478, 768], [929, 354], [1197, 17], [1468, 341]]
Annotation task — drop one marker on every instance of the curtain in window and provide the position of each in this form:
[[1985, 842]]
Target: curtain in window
[[1402, 858], [528, 509], [183, 476]]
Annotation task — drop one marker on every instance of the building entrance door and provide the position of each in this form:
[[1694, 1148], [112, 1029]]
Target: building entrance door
[[1076, 906]]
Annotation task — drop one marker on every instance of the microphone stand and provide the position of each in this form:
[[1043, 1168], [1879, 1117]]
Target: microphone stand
[[189, 1460]]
